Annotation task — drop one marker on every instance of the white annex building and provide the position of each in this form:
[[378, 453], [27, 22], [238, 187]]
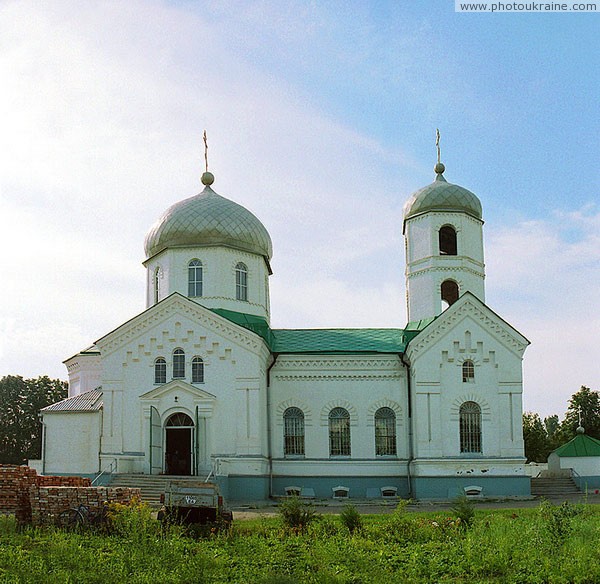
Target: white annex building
[[199, 382]]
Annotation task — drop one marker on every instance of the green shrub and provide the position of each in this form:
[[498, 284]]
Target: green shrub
[[295, 513], [464, 510], [557, 519], [351, 518]]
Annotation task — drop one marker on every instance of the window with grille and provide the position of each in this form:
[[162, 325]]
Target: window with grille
[[160, 371], [241, 282], [178, 364], [468, 371], [197, 370], [293, 431], [385, 432], [470, 427], [195, 278], [339, 432]]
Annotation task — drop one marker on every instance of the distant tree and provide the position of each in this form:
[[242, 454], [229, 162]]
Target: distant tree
[[587, 403], [20, 403], [552, 425], [537, 442]]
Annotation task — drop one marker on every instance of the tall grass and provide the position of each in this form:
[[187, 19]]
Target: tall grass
[[546, 544]]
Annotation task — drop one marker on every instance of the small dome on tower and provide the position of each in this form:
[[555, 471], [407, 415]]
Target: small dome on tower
[[441, 195], [208, 219]]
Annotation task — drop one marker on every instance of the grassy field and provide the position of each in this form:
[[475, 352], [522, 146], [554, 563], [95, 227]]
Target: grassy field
[[545, 544]]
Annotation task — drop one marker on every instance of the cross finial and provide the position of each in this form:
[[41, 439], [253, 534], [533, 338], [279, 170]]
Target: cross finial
[[437, 144], [207, 177], [206, 152]]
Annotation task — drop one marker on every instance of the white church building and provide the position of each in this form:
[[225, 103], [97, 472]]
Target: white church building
[[200, 384]]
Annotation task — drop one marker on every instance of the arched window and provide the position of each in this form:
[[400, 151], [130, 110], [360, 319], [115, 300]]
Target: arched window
[[157, 278], [179, 420], [195, 278], [468, 371], [339, 432], [160, 371], [449, 292], [241, 282], [293, 431], [197, 370], [178, 364], [447, 237], [385, 432], [470, 427]]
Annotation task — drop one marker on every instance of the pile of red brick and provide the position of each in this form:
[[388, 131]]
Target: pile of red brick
[[14, 489], [38, 499], [47, 503]]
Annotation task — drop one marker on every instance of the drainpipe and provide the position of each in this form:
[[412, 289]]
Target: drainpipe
[[410, 428], [269, 433], [41, 416]]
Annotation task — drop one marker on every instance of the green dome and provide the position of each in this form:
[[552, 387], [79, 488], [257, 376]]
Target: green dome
[[441, 195], [208, 219]]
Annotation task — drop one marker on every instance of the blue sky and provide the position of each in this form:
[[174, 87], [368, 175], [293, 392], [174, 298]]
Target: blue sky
[[321, 119]]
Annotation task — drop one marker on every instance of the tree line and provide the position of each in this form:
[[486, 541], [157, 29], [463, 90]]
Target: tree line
[[20, 403], [541, 437]]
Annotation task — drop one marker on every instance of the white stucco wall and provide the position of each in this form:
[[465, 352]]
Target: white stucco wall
[[467, 331], [316, 385], [71, 442], [218, 272], [426, 269], [230, 401], [85, 372]]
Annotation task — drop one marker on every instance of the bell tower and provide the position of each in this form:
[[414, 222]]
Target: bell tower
[[443, 230]]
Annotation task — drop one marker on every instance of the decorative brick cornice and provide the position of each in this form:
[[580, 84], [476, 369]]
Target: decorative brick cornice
[[338, 363], [330, 376], [468, 306], [176, 304]]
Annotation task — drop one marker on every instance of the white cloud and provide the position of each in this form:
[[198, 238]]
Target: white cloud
[[543, 277]]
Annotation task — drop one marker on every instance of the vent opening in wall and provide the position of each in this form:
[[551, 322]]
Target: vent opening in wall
[[389, 492], [473, 491], [293, 491], [340, 492]]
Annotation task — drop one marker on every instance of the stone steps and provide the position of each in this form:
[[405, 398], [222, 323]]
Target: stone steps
[[554, 487], [151, 486]]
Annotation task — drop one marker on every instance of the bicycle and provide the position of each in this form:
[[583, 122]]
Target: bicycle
[[80, 517]]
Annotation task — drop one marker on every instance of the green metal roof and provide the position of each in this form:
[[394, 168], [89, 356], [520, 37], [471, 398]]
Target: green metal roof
[[310, 341], [581, 445]]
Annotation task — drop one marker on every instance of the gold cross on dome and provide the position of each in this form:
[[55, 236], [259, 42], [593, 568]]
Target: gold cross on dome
[[437, 143]]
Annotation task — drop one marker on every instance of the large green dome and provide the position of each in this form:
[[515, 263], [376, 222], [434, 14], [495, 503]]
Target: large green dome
[[441, 195], [208, 219]]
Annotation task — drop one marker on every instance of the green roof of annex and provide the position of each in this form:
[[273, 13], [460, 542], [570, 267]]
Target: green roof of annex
[[581, 445], [327, 340]]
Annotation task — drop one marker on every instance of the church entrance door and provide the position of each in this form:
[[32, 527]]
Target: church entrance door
[[179, 438]]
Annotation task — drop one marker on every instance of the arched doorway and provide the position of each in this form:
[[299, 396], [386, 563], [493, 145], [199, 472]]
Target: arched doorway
[[179, 439]]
